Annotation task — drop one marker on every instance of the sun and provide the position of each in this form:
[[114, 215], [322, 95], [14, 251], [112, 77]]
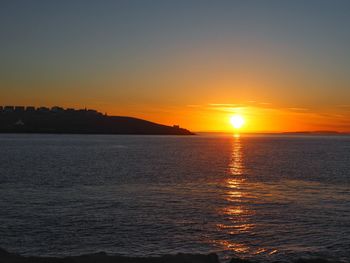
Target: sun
[[237, 121]]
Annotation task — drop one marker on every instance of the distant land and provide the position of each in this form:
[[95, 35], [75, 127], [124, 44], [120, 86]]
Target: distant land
[[20, 119], [316, 133], [296, 133]]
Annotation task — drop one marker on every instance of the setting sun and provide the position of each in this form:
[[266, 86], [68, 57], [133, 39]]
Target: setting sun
[[237, 121]]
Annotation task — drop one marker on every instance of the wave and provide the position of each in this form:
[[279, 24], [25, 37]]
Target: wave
[[102, 257]]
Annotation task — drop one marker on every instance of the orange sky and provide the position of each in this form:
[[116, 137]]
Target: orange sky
[[200, 95], [279, 65], [258, 116]]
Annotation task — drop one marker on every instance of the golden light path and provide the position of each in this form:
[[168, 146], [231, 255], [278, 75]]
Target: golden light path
[[236, 212], [238, 216]]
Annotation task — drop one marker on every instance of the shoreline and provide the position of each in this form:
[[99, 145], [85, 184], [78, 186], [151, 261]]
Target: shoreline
[[102, 257]]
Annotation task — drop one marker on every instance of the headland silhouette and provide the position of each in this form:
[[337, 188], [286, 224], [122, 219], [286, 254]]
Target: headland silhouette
[[20, 119]]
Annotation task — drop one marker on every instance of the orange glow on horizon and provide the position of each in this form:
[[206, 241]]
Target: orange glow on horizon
[[216, 117], [257, 118]]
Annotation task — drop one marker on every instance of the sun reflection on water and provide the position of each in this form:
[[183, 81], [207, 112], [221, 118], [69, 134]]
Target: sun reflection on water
[[235, 214], [236, 165]]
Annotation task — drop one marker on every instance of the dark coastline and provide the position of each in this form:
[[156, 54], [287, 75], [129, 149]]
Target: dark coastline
[[85, 121], [102, 257]]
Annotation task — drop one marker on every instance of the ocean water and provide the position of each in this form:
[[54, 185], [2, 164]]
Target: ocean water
[[257, 197]]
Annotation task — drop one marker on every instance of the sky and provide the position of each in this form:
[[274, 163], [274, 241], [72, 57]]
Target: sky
[[282, 65]]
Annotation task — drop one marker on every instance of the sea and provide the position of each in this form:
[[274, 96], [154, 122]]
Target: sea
[[259, 197]]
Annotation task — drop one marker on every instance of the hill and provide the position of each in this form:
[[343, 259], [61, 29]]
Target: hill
[[58, 120]]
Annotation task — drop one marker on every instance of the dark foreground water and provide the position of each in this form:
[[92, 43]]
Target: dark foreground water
[[264, 198]]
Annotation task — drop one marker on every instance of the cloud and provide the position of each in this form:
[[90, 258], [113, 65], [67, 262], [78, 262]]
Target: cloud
[[231, 107], [194, 105], [344, 106], [227, 109], [224, 104], [298, 109]]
